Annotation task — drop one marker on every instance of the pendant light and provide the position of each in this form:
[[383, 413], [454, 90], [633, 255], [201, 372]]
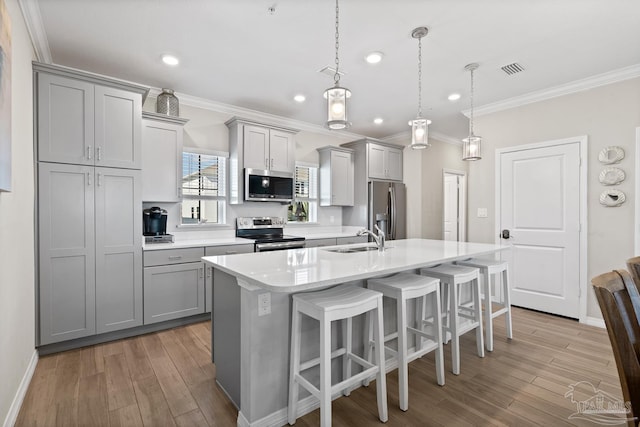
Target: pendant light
[[419, 125], [472, 145], [336, 96]]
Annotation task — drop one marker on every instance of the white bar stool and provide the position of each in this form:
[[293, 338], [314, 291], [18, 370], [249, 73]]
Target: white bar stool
[[488, 268], [403, 287], [341, 302], [453, 277]]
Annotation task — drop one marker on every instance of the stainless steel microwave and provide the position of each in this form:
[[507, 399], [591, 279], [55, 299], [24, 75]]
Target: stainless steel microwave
[[267, 186]]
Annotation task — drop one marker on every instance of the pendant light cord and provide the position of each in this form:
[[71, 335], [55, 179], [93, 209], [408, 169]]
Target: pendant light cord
[[471, 115], [336, 76], [420, 77]]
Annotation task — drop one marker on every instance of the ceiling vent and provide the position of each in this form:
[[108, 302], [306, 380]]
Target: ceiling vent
[[512, 69], [330, 71]]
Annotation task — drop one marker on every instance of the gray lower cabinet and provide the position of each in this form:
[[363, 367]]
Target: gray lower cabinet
[[220, 250], [90, 256], [351, 240], [173, 284], [316, 243]]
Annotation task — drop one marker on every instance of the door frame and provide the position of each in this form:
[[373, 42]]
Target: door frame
[[462, 203], [583, 144], [636, 239]]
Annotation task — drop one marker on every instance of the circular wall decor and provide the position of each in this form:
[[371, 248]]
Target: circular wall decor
[[611, 155], [611, 176], [612, 198]]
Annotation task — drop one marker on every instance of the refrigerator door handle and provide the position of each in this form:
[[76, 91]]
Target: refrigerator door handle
[[392, 194]]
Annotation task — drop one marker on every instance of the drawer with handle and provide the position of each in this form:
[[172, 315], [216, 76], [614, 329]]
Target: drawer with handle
[[172, 256], [228, 249]]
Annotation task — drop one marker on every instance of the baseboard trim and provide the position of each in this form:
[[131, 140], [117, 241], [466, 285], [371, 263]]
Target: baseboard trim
[[279, 418], [14, 409], [595, 321]]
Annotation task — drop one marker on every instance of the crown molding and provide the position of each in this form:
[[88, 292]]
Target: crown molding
[[592, 82], [35, 27], [406, 137], [246, 113]]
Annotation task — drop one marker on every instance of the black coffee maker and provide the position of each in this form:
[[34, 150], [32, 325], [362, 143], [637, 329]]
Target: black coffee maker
[[154, 221]]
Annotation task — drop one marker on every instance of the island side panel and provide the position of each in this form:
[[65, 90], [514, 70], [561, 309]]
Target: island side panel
[[264, 354], [225, 333]]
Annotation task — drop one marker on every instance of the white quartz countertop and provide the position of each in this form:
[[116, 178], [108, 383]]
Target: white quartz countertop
[[297, 270], [222, 240]]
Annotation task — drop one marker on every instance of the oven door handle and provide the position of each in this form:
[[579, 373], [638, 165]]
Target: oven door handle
[[261, 247]]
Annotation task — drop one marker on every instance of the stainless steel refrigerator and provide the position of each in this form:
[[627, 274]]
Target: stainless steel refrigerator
[[382, 197]]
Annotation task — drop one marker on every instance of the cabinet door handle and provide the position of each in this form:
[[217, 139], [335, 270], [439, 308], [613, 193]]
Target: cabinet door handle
[[175, 257], [271, 163], [99, 180], [266, 163], [231, 252], [201, 272], [89, 150], [209, 271], [89, 178], [99, 153]]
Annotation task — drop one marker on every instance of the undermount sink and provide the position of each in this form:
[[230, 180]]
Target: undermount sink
[[352, 250]]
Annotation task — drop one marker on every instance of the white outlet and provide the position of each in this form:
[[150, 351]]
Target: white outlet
[[264, 304], [482, 212]]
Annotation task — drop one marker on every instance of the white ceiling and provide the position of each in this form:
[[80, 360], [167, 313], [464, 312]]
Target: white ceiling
[[236, 52]]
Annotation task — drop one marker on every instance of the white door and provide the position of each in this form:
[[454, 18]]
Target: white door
[[454, 205], [539, 196], [450, 225]]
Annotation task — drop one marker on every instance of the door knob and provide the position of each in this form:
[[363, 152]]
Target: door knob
[[505, 234]]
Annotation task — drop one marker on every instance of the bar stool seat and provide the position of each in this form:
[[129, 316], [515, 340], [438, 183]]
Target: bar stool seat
[[326, 306], [453, 278], [403, 287], [489, 268]]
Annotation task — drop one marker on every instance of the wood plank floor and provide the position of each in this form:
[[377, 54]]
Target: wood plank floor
[[166, 378]]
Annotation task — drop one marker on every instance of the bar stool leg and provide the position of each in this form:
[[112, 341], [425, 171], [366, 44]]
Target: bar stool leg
[[381, 377], [346, 363], [368, 346], [507, 302], [488, 308], [478, 316], [325, 373], [452, 319], [295, 363], [403, 370], [446, 305], [437, 333]]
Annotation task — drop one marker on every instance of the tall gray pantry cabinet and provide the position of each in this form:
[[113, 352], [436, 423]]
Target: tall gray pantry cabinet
[[88, 140]]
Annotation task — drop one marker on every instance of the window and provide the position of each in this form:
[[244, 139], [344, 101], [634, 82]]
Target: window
[[305, 204], [203, 188]]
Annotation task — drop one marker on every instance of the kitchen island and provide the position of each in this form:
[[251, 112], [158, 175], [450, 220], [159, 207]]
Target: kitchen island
[[252, 311]]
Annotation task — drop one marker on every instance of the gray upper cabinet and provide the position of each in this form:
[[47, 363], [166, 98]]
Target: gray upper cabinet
[[65, 120], [257, 146], [336, 176], [118, 249], [161, 157], [375, 159], [87, 119], [66, 252]]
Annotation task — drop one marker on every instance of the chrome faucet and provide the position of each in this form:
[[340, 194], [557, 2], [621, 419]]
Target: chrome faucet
[[379, 239]]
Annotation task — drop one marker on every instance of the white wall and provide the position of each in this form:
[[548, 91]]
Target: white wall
[[17, 300], [608, 115]]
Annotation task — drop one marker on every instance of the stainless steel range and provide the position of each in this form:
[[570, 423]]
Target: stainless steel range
[[267, 233]]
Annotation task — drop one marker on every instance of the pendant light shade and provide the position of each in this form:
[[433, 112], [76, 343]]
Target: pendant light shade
[[471, 145], [337, 96], [337, 117], [419, 125]]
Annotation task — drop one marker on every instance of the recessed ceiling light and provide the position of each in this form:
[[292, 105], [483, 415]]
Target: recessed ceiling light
[[374, 57], [378, 120], [299, 98], [170, 60], [454, 97]]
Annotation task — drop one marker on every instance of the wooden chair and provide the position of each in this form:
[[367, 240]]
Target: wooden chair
[[633, 265], [615, 300]]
